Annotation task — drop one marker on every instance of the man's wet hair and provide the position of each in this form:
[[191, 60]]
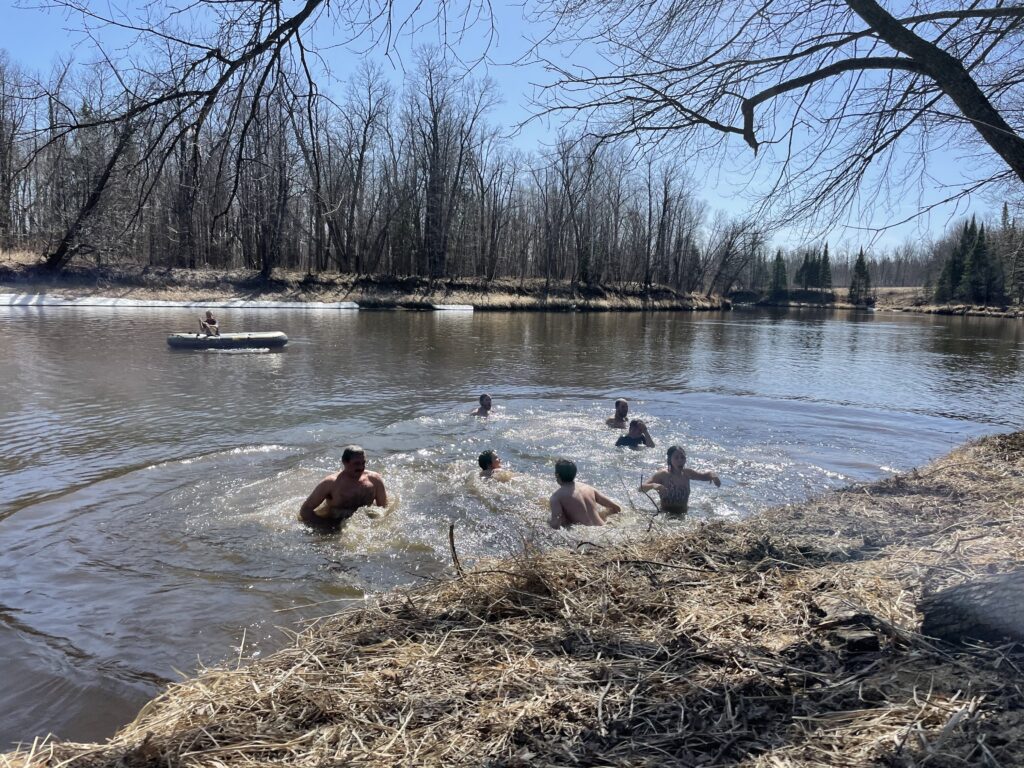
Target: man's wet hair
[[565, 470], [672, 449], [635, 423], [486, 460], [482, 397], [621, 401], [350, 451]]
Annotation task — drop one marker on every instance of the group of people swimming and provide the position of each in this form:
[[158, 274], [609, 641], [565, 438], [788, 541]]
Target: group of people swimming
[[338, 496]]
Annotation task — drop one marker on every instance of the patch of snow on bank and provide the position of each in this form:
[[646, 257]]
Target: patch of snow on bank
[[51, 300]]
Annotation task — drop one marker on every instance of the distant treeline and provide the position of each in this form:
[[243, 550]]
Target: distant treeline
[[411, 183]]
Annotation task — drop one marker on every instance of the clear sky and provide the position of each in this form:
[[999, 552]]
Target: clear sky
[[35, 38]]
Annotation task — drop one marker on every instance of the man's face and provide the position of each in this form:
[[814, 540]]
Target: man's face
[[621, 409], [485, 402], [356, 463], [496, 464], [636, 429]]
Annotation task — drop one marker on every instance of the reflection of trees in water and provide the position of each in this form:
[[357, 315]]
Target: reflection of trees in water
[[977, 347]]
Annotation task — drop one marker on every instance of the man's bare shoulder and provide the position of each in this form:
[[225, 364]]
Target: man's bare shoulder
[[374, 477]]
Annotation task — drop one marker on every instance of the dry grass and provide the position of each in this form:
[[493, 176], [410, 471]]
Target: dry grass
[[788, 640]]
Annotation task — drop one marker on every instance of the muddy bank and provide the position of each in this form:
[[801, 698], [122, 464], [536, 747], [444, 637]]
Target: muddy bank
[[369, 291], [787, 640]]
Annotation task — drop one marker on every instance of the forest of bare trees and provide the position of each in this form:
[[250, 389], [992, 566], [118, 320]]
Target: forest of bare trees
[[410, 183], [220, 147]]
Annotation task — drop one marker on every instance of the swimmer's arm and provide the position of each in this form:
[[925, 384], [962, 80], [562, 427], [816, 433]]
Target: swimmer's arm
[[316, 498], [707, 477], [648, 440], [557, 513], [656, 483], [610, 507], [380, 494]]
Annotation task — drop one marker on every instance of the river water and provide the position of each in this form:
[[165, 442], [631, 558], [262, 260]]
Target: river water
[[148, 496]]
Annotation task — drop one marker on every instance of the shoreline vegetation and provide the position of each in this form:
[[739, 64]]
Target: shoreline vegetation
[[369, 291], [788, 639], [19, 274]]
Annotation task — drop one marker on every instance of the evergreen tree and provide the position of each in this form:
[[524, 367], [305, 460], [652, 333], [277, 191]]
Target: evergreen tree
[[780, 284], [947, 287], [804, 272], [825, 271], [977, 276], [860, 283]]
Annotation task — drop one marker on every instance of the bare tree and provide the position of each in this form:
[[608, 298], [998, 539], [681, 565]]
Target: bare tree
[[822, 92]]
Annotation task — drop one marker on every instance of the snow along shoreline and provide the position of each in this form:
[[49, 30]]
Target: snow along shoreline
[[51, 300]]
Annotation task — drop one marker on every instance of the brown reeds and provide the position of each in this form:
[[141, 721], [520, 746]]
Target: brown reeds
[[786, 640]]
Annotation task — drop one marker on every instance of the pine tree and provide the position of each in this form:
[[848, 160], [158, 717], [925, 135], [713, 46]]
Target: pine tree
[[947, 287], [825, 271], [780, 284], [804, 275], [974, 284], [860, 283]]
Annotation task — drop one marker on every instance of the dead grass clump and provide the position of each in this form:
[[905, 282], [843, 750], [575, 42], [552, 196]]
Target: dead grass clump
[[788, 640]]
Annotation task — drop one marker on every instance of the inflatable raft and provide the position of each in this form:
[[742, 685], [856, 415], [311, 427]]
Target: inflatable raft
[[227, 340]]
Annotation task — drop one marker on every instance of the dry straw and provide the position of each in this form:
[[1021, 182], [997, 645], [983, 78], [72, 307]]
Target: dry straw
[[787, 640]]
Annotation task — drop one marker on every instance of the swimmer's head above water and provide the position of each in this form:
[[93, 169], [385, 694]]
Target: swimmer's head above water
[[489, 460], [621, 409], [565, 471], [676, 458], [353, 458]]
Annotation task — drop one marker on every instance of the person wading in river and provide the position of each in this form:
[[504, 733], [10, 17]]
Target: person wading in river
[[637, 437], [618, 420], [485, 406], [577, 503], [344, 492], [673, 483]]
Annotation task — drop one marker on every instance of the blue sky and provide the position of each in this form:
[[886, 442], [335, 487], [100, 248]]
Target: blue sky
[[35, 38]]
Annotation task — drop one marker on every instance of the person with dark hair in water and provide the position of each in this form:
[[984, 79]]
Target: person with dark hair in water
[[489, 461], [485, 406], [673, 483], [344, 492], [209, 325], [577, 503], [637, 437], [618, 420]]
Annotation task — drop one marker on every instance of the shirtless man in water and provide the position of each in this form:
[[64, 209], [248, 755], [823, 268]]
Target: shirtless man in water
[[618, 421], [485, 406], [577, 503], [345, 492]]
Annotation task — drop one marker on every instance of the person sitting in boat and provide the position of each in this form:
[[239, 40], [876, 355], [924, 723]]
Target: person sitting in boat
[[337, 497], [577, 503], [618, 421], [673, 483], [485, 406], [637, 437], [208, 325]]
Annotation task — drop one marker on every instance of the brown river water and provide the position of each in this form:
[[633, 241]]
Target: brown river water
[[148, 496]]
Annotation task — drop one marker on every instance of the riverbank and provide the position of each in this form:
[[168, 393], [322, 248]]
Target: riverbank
[[914, 301], [789, 639], [19, 275]]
